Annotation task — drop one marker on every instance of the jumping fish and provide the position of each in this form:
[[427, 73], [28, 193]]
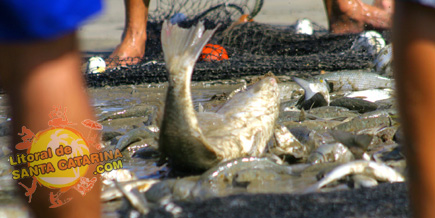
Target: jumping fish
[[197, 141]]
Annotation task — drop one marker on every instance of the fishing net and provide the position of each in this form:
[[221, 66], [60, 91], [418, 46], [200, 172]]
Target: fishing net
[[216, 10], [253, 48]]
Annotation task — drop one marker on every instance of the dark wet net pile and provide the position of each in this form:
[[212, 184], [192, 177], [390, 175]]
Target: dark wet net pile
[[253, 49], [385, 200]]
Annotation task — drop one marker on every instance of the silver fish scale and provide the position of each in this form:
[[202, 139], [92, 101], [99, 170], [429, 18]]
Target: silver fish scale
[[355, 80]]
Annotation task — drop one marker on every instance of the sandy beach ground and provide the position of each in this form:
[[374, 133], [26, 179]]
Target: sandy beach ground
[[103, 32]]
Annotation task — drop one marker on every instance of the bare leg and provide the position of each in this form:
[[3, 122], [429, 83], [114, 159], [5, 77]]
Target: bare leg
[[353, 16], [37, 76], [387, 5], [132, 47], [414, 55]]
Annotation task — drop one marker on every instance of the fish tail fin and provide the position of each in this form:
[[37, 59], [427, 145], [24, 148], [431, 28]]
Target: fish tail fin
[[309, 92], [182, 47]]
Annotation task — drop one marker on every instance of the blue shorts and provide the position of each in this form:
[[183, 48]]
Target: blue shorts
[[27, 20]]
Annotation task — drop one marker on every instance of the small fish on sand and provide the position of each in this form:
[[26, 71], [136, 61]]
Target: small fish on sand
[[379, 171]]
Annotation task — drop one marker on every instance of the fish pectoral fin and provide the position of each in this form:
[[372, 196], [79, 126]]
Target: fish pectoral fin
[[204, 156], [255, 143]]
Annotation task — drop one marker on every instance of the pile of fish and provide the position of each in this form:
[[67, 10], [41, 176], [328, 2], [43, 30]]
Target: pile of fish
[[334, 131], [184, 141]]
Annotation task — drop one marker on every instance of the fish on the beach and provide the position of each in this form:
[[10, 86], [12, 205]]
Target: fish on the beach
[[113, 192], [374, 119], [316, 93], [356, 103], [287, 144], [372, 95], [384, 61], [379, 171], [96, 65], [197, 141], [221, 179], [136, 199], [370, 42], [355, 81], [332, 112], [332, 152], [356, 143], [133, 136]]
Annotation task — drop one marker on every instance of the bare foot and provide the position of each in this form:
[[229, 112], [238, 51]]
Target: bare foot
[[132, 47], [129, 52]]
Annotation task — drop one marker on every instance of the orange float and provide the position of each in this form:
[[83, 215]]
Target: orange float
[[212, 52], [244, 19]]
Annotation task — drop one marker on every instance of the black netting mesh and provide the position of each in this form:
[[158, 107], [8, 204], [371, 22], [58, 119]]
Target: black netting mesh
[[218, 10], [253, 49]]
